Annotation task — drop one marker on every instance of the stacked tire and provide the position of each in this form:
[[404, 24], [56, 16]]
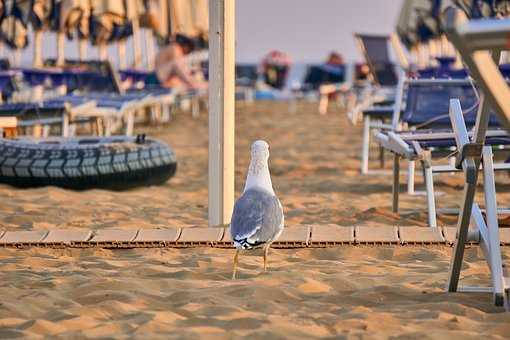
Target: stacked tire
[[114, 163]]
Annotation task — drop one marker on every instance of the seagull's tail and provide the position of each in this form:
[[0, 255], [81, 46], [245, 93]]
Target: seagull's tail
[[245, 243]]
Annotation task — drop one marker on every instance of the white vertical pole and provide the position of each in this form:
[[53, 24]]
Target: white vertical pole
[[149, 49], [121, 50], [103, 51], [37, 61], [82, 49], [60, 48], [137, 49], [221, 110], [17, 57]]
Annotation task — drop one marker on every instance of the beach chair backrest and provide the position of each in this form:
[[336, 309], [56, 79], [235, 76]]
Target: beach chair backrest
[[376, 50], [90, 75], [246, 74], [427, 103], [317, 75]]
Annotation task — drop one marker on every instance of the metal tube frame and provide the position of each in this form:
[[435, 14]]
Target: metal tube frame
[[472, 40]]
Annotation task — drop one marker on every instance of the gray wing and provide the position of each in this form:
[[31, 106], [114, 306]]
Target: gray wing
[[257, 219]]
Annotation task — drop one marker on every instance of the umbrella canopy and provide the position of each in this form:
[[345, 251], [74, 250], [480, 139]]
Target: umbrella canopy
[[72, 16], [419, 21], [484, 8], [185, 17], [102, 21]]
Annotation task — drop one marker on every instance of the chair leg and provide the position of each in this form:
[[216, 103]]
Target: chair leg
[[492, 230], [431, 203], [130, 122], [396, 183], [65, 125], [410, 177], [195, 107], [381, 156], [366, 145]]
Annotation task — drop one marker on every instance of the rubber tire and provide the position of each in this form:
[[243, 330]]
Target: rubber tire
[[114, 163]]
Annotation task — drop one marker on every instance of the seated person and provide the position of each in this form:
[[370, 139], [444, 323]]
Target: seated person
[[173, 65], [275, 69]]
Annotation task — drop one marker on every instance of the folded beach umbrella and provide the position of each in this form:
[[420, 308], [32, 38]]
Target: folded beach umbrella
[[14, 23], [484, 8], [40, 15], [189, 18], [411, 16], [419, 20], [133, 9], [72, 17], [105, 15]]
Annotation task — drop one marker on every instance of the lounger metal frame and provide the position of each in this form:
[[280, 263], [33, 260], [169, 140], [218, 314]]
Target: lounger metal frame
[[398, 144], [474, 40]]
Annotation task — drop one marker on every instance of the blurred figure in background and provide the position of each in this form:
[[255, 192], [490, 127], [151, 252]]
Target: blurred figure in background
[[335, 59], [174, 64], [335, 67], [275, 69]]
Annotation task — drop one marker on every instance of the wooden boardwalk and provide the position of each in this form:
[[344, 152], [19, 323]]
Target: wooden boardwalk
[[292, 237]]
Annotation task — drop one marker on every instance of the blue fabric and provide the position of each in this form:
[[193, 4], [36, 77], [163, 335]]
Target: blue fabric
[[428, 104], [134, 75]]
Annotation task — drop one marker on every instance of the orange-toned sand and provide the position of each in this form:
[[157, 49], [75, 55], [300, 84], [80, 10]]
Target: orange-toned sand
[[150, 293]]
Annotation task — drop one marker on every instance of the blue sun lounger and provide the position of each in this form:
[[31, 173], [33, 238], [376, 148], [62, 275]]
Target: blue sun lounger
[[41, 116], [479, 42], [427, 132]]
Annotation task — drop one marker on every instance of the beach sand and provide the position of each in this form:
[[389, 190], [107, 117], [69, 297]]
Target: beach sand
[[353, 292]]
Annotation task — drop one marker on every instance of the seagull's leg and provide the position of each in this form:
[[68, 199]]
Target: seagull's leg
[[266, 251], [236, 258]]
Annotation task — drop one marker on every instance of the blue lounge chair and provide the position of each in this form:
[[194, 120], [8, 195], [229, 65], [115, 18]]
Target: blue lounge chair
[[479, 42], [427, 131]]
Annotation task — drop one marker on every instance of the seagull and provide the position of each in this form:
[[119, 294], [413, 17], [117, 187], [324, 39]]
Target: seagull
[[257, 220]]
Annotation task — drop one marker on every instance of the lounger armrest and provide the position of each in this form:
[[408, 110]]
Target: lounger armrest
[[395, 144]]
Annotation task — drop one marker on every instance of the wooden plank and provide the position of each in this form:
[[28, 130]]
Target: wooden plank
[[449, 234], [111, 238], [153, 237], [376, 235], [331, 234], [293, 237], [221, 111], [200, 236], [226, 241], [421, 235], [23, 237], [67, 236], [504, 236]]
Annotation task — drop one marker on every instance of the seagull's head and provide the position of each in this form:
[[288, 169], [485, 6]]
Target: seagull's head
[[260, 150]]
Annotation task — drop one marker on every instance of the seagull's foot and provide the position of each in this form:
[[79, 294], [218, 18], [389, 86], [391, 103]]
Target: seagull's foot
[[266, 251], [236, 258]]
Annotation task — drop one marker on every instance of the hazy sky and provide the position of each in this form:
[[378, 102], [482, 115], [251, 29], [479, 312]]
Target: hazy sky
[[306, 29], [309, 29]]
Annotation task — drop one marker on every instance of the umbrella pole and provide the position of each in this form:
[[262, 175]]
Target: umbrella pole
[[149, 49], [121, 51], [82, 49], [103, 52], [60, 49], [37, 60], [137, 49], [221, 111], [17, 57]]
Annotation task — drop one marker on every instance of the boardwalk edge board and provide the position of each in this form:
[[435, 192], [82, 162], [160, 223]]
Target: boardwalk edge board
[[305, 236]]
